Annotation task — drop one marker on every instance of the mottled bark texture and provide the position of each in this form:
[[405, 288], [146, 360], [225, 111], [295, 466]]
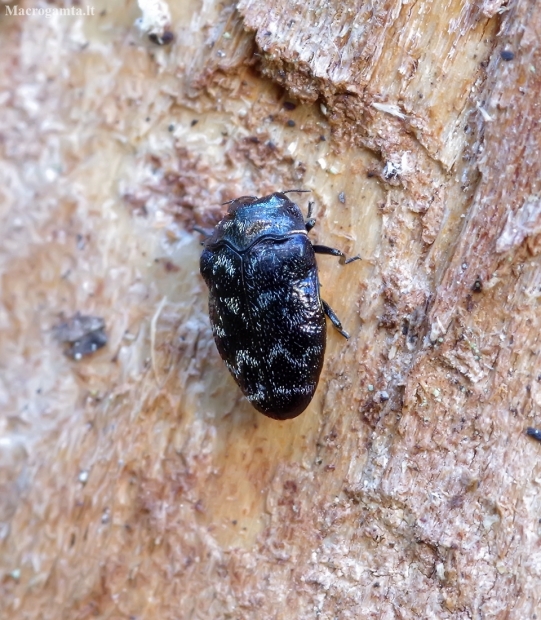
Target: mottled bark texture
[[136, 482]]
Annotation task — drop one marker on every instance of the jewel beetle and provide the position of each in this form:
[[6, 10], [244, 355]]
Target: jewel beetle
[[266, 313]]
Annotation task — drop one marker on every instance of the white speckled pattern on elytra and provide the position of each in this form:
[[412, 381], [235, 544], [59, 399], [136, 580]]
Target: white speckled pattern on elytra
[[267, 317]]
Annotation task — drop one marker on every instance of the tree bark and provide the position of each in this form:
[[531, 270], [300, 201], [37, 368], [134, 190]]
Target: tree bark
[[137, 482]]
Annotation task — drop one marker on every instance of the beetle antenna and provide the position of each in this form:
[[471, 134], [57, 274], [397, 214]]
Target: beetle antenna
[[296, 191], [203, 231]]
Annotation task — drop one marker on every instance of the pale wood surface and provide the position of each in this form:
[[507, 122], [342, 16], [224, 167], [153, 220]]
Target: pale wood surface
[[137, 483]]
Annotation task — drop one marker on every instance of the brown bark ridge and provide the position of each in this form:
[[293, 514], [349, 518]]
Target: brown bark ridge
[[136, 482]]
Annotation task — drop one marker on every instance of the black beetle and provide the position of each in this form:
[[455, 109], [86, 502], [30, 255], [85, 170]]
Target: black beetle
[[267, 316]]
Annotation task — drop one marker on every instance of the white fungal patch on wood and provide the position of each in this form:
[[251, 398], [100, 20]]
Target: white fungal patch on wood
[[522, 223], [155, 18], [389, 108]]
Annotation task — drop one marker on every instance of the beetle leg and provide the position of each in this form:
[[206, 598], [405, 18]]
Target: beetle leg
[[310, 221], [323, 249], [334, 319]]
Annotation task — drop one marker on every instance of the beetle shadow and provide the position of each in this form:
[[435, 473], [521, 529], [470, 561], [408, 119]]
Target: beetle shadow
[[224, 406]]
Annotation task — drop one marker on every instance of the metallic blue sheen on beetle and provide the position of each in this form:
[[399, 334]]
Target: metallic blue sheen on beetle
[[267, 317]]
